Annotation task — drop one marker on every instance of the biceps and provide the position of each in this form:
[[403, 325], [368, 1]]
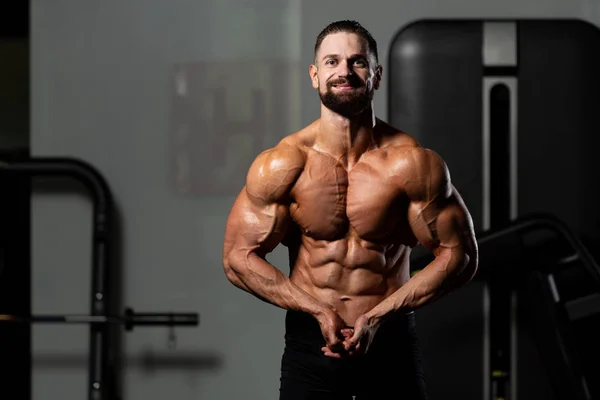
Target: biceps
[[442, 223], [255, 228]]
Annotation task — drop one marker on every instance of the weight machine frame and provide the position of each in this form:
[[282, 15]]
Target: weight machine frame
[[498, 248], [103, 349]]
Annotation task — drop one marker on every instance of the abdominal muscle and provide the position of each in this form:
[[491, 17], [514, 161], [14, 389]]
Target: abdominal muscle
[[350, 275]]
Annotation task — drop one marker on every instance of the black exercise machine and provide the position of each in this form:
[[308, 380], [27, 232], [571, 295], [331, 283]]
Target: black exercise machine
[[558, 282], [512, 107]]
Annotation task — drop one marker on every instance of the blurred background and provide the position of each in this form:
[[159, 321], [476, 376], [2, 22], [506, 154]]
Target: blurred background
[[169, 102]]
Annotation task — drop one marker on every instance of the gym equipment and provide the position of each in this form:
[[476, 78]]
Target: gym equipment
[[103, 318], [511, 106], [129, 320], [558, 281], [15, 276]]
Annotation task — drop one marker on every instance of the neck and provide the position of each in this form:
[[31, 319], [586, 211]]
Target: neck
[[346, 138]]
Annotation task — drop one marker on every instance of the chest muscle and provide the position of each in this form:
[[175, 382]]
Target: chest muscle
[[331, 202]]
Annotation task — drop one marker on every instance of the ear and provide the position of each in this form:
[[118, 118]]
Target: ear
[[312, 71], [378, 74]]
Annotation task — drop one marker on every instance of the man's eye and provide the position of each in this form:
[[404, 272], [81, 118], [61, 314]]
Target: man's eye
[[359, 62], [330, 62]]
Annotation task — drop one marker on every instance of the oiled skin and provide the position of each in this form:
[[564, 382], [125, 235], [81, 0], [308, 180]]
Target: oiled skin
[[349, 226], [350, 196]]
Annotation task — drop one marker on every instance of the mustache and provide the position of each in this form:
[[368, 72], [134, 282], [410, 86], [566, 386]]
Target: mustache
[[352, 82]]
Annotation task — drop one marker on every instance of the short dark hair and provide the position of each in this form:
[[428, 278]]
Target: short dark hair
[[348, 26]]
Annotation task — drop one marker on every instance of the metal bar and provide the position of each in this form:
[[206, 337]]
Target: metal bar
[[486, 221], [514, 213], [499, 56], [583, 307], [57, 319], [156, 319], [130, 320], [551, 222], [498, 302]]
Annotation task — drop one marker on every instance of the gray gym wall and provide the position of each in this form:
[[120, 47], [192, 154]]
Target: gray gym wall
[[104, 83]]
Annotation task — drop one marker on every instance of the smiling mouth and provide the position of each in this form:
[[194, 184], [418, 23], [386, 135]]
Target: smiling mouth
[[344, 87]]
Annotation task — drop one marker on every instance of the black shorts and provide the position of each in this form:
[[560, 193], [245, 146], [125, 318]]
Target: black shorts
[[391, 369]]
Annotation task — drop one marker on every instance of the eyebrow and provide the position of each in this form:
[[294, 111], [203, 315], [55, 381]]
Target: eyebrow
[[351, 57]]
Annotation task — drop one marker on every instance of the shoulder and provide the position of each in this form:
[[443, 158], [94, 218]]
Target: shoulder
[[282, 157], [428, 175], [289, 154], [405, 151], [275, 170], [421, 172], [423, 161], [392, 139]]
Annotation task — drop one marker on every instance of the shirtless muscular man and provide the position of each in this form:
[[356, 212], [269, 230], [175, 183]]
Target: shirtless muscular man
[[350, 196]]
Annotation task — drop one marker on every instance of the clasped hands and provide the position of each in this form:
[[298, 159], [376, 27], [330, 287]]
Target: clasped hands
[[341, 341]]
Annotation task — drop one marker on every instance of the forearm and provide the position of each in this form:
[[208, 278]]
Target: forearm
[[446, 273], [258, 277]]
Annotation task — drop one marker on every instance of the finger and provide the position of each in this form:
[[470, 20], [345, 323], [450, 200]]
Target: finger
[[326, 349], [355, 338], [338, 345], [348, 345], [347, 332], [327, 352], [358, 346], [334, 352]]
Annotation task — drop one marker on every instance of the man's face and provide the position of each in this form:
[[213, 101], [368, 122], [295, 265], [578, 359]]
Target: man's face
[[345, 74]]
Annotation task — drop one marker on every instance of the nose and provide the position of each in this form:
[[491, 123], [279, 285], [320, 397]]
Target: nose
[[345, 69], [348, 68]]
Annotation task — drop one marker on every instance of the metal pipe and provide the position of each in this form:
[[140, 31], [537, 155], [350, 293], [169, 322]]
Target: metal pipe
[[129, 320]]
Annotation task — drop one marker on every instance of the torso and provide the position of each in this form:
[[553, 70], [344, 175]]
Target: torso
[[351, 240]]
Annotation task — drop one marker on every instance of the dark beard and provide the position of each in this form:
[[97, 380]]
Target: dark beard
[[345, 104]]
